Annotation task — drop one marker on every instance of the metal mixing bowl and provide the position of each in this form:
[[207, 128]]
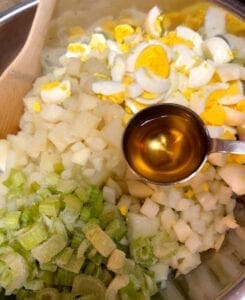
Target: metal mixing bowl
[[226, 284]]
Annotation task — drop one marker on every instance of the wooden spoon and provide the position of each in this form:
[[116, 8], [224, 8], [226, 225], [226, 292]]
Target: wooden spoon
[[18, 78]]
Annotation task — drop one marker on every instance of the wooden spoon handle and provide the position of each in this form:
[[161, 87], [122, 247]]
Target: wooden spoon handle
[[27, 63], [17, 79]]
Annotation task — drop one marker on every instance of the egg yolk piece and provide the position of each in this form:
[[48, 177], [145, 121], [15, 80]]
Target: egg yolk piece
[[154, 59]]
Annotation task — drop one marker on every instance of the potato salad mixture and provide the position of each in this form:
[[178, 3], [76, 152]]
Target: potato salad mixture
[[75, 223]]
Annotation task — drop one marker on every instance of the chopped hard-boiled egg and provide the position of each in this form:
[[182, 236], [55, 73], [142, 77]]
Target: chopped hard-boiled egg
[[79, 50], [122, 32], [191, 35], [151, 83], [214, 22], [217, 49], [153, 56], [185, 58], [153, 22], [98, 42], [55, 92], [201, 75]]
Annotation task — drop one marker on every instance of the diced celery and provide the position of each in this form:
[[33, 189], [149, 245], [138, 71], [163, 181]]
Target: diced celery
[[34, 187], [76, 241], [11, 219], [50, 267], [51, 247], [64, 256], [83, 247], [16, 245], [29, 215], [99, 239], [34, 285], [65, 277], [93, 270], [85, 214], [58, 168], [49, 208], [48, 277], [2, 238], [163, 247], [141, 251], [19, 269], [116, 229], [48, 293], [24, 294], [85, 285], [81, 193], [106, 276], [16, 179], [73, 202], [74, 265], [69, 216], [66, 296], [52, 179], [34, 236]]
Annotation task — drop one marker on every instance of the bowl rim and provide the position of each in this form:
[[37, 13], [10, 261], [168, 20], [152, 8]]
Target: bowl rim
[[13, 11]]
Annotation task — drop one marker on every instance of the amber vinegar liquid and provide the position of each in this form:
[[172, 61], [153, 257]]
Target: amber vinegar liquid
[[165, 149]]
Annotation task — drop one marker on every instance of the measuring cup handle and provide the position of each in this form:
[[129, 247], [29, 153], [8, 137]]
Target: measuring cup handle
[[227, 146]]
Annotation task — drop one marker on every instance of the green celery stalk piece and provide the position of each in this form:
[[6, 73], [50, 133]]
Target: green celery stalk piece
[[74, 265], [64, 256], [99, 239], [12, 219], [50, 248], [85, 285], [49, 208], [33, 237], [16, 179], [141, 251], [48, 293], [73, 202], [58, 168], [65, 278], [83, 247], [29, 215]]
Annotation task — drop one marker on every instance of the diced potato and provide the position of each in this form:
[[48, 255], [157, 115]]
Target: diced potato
[[149, 208], [193, 243], [234, 176], [81, 157], [207, 200], [139, 189], [168, 218], [141, 226], [109, 194], [183, 230]]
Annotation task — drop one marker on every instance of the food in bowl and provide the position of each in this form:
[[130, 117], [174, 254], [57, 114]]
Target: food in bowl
[[75, 222]]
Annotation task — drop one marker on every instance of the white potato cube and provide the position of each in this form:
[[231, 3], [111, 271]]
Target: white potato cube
[[81, 157], [193, 243], [149, 208], [182, 230], [109, 194]]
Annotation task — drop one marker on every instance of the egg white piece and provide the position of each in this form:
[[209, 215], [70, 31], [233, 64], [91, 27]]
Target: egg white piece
[[214, 22], [56, 94], [151, 83], [149, 101], [190, 35], [229, 72], [150, 22], [231, 100], [78, 50], [132, 106], [134, 90], [98, 42], [218, 50], [107, 87], [234, 117], [185, 57], [201, 74], [118, 69]]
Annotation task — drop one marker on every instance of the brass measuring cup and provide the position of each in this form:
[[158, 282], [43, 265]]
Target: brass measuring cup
[[169, 143]]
